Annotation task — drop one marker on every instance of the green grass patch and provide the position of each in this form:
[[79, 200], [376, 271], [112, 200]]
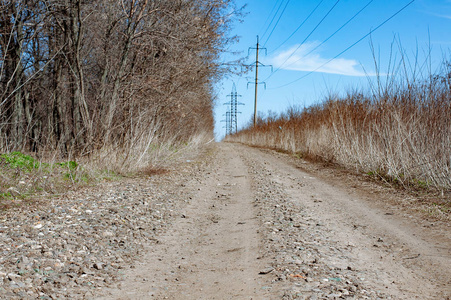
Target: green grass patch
[[6, 195], [18, 160], [71, 165], [28, 177]]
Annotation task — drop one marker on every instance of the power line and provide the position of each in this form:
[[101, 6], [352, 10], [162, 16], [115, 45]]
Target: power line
[[299, 27], [272, 20], [280, 16], [342, 26], [267, 18], [355, 43], [311, 32]]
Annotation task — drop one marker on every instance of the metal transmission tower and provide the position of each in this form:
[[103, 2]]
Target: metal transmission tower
[[257, 63], [233, 110], [227, 120]]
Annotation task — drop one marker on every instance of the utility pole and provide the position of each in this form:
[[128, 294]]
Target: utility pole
[[233, 125], [256, 83], [257, 50]]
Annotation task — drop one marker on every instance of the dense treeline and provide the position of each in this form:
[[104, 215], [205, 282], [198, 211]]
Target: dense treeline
[[82, 75]]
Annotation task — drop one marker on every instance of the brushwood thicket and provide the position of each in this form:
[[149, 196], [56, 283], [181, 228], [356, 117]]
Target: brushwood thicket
[[78, 77]]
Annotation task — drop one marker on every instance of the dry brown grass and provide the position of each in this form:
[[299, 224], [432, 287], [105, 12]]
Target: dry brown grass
[[401, 135], [25, 179]]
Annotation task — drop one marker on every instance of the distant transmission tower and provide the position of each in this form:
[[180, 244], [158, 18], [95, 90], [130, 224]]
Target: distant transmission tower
[[227, 121], [232, 119]]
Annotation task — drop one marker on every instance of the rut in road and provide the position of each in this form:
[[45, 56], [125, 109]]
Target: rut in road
[[258, 210], [212, 251], [342, 242]]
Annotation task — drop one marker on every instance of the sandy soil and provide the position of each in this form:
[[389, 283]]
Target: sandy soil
[[261, 225]]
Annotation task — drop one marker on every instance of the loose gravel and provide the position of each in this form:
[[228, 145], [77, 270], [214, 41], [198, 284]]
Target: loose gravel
[[305, 245], [307, 262], [72, 247]]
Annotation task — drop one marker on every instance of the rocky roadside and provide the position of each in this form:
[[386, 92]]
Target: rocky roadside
[[73, 246], [81, 245], [306, 261]]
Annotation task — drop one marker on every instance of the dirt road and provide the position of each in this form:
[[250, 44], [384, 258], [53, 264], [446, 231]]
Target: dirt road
[[259, 226]]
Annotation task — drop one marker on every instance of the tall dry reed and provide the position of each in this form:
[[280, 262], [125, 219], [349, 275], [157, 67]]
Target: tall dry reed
[[402, 133]]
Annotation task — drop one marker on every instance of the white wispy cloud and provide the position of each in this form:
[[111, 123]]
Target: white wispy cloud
[[303, 60], [442, 16]]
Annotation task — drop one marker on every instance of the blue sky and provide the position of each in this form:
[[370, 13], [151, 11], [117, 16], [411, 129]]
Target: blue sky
[[304, 58]]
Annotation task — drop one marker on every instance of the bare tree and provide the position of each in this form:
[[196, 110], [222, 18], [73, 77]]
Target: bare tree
[[82, 75]]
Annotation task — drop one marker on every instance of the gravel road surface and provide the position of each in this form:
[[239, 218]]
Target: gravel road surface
[[235, 223]]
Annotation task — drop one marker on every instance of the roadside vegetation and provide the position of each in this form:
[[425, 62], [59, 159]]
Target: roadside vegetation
[[400, 132], [119, 86], [22, 176], [112, 80]]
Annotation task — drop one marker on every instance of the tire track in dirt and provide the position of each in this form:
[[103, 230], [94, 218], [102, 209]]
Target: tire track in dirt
[[212, 251], [347, 247], [255, 210]]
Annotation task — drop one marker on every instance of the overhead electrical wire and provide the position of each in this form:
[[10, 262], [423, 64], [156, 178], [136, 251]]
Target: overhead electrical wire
[[272, 20], [299, 27], [275, 25], [355, 43], [267, 18], [341, 27], [299, 46]]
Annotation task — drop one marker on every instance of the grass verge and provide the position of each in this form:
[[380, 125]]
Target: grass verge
[[24, 177]]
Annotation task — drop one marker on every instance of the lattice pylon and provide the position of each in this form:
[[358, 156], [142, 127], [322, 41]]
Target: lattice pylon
[[233, 111]]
